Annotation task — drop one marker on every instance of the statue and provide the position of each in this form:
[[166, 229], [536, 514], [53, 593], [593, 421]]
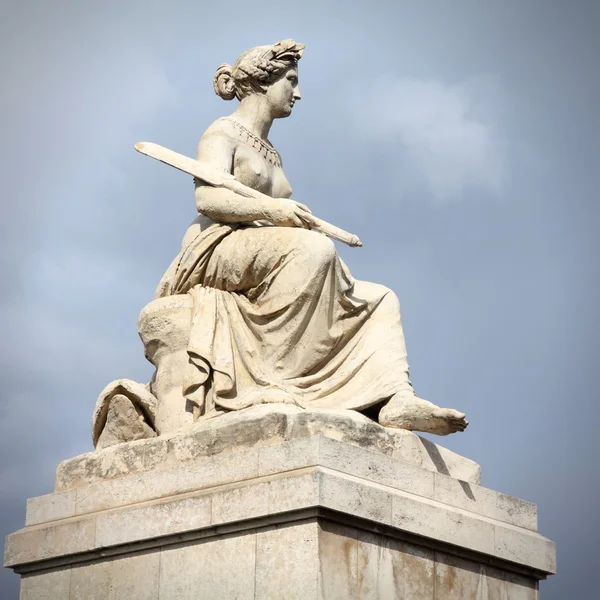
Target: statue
[[285, 464], [258, 307]]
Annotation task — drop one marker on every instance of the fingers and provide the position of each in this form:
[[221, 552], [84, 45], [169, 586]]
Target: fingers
[[299, 222], [302, 207], [291, 214], [301, 215]]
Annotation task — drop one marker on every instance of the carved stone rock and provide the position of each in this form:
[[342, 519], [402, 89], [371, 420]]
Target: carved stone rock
[[261, 426], [124, 423]]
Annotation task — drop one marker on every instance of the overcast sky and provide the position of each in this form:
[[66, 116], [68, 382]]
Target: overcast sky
[[460, 140]]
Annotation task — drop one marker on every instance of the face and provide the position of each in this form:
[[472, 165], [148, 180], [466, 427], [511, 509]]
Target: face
[[283, 93]]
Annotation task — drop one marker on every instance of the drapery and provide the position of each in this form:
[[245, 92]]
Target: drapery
[[278, 317]]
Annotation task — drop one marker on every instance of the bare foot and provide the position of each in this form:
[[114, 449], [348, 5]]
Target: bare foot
[[415, 414]]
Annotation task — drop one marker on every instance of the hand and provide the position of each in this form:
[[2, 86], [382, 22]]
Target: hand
[[289, 213]]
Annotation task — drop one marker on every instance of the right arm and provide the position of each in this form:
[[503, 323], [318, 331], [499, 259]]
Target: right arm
[[217, 150]]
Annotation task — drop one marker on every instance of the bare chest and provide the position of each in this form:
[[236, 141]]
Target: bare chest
[[255, 171]]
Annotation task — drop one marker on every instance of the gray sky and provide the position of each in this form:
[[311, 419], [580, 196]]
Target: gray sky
[[459, 140]]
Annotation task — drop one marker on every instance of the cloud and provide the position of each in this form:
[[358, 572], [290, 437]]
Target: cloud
[[444, 133]]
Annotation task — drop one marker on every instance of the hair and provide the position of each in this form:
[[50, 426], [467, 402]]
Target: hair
[[256, 69]]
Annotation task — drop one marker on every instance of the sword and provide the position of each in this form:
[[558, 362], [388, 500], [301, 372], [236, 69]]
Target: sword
[[222, 179]]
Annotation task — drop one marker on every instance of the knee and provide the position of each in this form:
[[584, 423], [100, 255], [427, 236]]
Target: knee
[[375, 291], [389, 309], [318, 249], [391, 302]]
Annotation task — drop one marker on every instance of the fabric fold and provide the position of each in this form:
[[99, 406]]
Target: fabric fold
[[277, 317]]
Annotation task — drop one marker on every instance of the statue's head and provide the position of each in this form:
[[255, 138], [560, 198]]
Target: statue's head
[[271, 71]]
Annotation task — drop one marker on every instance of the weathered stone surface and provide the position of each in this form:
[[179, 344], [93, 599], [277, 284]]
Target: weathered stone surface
[[47, 585], [338, 561], [459, 579], [281, 494], [204, 473], [50, 507], [310, 559], [273, 496], [111, 463], [261, 426], [517, 545], [519, 587], [483, 501], [257, 466], [121, 410], [328, 513], [124, 423], [222, 567], [356, 429], [292, 552], [340, 492], [153, 520], [38, 543], [164, 326], [390, 568], [122, 578], [433, 520]]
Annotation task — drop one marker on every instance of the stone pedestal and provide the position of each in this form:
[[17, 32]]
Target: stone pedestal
[[286, 504]]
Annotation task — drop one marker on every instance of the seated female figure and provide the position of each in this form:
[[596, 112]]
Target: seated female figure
[[276, 315]]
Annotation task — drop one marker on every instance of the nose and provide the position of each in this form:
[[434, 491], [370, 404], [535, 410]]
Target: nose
[[297, 95]]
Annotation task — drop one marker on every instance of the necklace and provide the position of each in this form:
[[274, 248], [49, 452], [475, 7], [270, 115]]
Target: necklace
[[263, 148]]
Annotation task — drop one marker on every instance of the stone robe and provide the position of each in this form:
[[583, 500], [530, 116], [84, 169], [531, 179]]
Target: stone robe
[[277, 317]]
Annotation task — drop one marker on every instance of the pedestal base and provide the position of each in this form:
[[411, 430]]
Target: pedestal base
[[310, 517]]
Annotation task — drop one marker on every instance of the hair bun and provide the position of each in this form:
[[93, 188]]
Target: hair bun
[[224, 83]]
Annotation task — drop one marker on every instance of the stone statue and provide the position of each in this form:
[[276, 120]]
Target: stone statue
[[272, 455], [257, 308]]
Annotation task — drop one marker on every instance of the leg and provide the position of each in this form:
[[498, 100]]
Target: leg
[[407, 411]]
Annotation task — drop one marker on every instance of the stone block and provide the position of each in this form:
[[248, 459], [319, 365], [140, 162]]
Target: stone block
[[222, 567], [390, 568], [519, 587], [433, 520], [460, 579], [277, 495], [374, 466], [427, 455], [46, 585], [152, 521], [181, 478], [517, 512], [523, 546], [309, 517], [482, 501], [338, 561], [44, 542], [289, 455], [110, 463], [287, 561], [133, 577], [342, 493], [50, 507]]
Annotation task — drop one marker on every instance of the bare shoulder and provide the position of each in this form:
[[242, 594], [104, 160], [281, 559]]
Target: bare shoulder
[[218, 143], [224, 127], [223, 130]]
